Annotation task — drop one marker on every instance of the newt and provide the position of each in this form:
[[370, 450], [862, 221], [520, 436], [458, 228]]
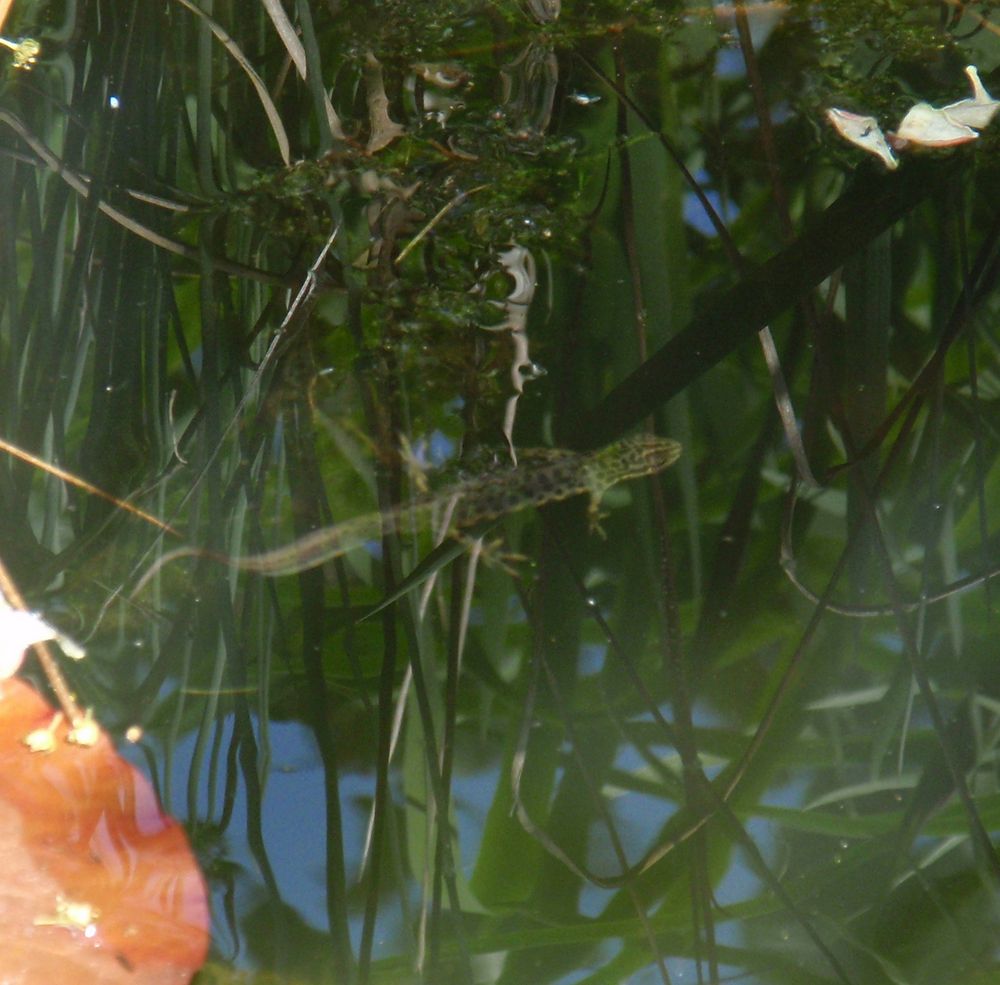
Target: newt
[[544, 476]]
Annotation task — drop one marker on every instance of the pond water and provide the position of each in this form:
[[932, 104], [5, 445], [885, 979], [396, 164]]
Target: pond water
[[389, 277]]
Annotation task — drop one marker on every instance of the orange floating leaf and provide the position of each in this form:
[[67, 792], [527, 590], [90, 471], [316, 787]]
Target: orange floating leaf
[[99, 884]]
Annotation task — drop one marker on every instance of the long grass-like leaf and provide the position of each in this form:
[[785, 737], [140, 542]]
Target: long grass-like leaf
[[267, 104]]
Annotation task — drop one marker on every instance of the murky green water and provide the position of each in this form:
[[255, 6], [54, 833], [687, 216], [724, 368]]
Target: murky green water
[[265, 270]]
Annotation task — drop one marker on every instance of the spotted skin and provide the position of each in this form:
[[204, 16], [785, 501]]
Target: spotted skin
[[544, 477]]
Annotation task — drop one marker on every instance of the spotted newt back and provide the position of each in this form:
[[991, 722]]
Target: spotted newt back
[[543, 477]]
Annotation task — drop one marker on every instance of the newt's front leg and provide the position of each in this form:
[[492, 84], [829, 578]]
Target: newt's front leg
[[594, 515]]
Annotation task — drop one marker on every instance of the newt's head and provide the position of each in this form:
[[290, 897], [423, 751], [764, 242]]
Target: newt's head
[[641, 454]]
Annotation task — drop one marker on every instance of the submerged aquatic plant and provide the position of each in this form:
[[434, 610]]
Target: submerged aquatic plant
[[256, 250]]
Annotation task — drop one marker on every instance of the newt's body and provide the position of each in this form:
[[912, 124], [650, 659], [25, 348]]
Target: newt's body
[[544, 477]]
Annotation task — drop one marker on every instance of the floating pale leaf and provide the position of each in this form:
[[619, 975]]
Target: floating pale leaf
[[929, 127], [863, 132], [20, 629], [978, 111], [99, 885]]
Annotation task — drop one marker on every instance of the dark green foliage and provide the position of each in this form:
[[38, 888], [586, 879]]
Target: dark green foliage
[[715, 771]]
